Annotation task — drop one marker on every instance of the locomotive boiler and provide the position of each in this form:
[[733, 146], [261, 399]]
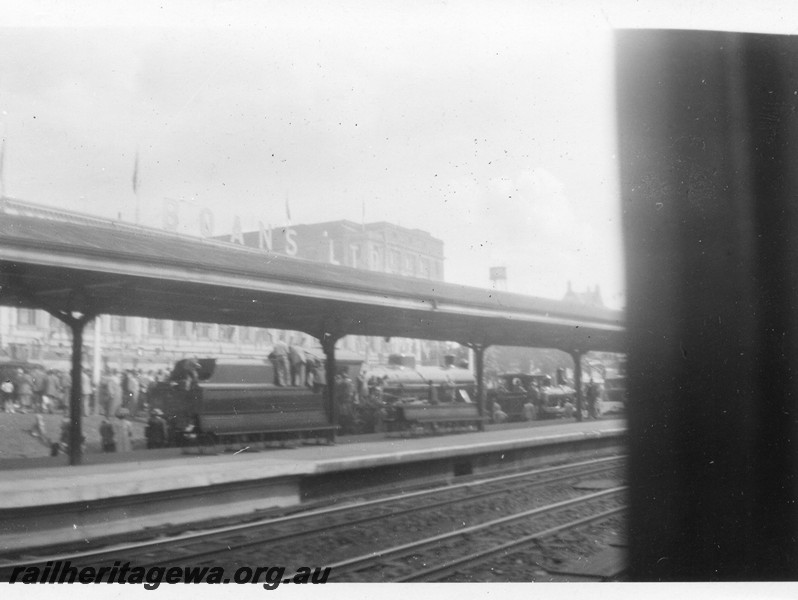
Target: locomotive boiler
[[424, 398]]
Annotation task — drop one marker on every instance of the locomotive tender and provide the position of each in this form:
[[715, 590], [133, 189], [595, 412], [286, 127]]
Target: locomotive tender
[[214, 400]]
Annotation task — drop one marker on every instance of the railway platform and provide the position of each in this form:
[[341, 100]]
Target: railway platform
[[83, 505]]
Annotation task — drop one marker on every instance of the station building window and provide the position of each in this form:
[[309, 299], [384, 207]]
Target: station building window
[[393, 264], [26, 317], [202, 331], [155, 327], [118, 324], [424, 268], [180, 329], [376, 259]]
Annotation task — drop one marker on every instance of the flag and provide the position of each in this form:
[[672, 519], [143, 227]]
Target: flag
[[136, 174], [287, 210]]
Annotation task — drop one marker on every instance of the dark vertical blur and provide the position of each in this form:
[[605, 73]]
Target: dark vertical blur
[[708, 134]]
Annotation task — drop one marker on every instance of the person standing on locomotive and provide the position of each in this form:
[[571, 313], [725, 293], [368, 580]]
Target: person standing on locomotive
[[298, 360], [279, 358]]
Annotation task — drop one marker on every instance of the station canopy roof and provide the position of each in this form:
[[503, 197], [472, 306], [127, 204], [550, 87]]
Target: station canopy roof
[[105, 267]]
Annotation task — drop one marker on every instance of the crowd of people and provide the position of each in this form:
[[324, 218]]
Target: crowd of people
[[48, 391], [119, 396]]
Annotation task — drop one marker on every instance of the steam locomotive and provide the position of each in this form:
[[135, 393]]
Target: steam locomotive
[[525, 397], [424, 399]]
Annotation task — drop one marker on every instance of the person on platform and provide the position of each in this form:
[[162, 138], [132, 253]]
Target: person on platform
[[499, 416], [592, 399], [39, 377], [530, 410], [279, 358], [86, 393], [51, 392], [123, 431], [132, 392], [156, 429], [7, 394], [298, 360], [107, 435], [104, 394], [65, 438], [65, 389], [114, 394], [344, 392], [24, 391]]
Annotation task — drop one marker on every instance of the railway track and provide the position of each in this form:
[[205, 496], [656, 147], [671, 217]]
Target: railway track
[[410, 562], [334, 528]]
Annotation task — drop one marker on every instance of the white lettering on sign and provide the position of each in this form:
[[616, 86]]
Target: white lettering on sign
[[207, 224], [290, 243], [265, 238]]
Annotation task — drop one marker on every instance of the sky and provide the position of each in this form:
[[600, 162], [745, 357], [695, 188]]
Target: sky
[[489, 124]]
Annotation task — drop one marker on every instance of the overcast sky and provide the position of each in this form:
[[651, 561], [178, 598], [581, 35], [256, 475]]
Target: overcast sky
[[489, 124]]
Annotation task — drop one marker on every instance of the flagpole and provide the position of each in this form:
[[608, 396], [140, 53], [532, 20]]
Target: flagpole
[[3, 168], [136, 183]]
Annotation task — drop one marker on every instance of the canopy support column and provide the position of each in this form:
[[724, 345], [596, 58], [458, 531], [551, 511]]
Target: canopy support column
[[479, 364], [328, 341], [576, 355], [76, 325]]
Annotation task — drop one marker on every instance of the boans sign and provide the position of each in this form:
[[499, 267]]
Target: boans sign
[[206, 220]]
